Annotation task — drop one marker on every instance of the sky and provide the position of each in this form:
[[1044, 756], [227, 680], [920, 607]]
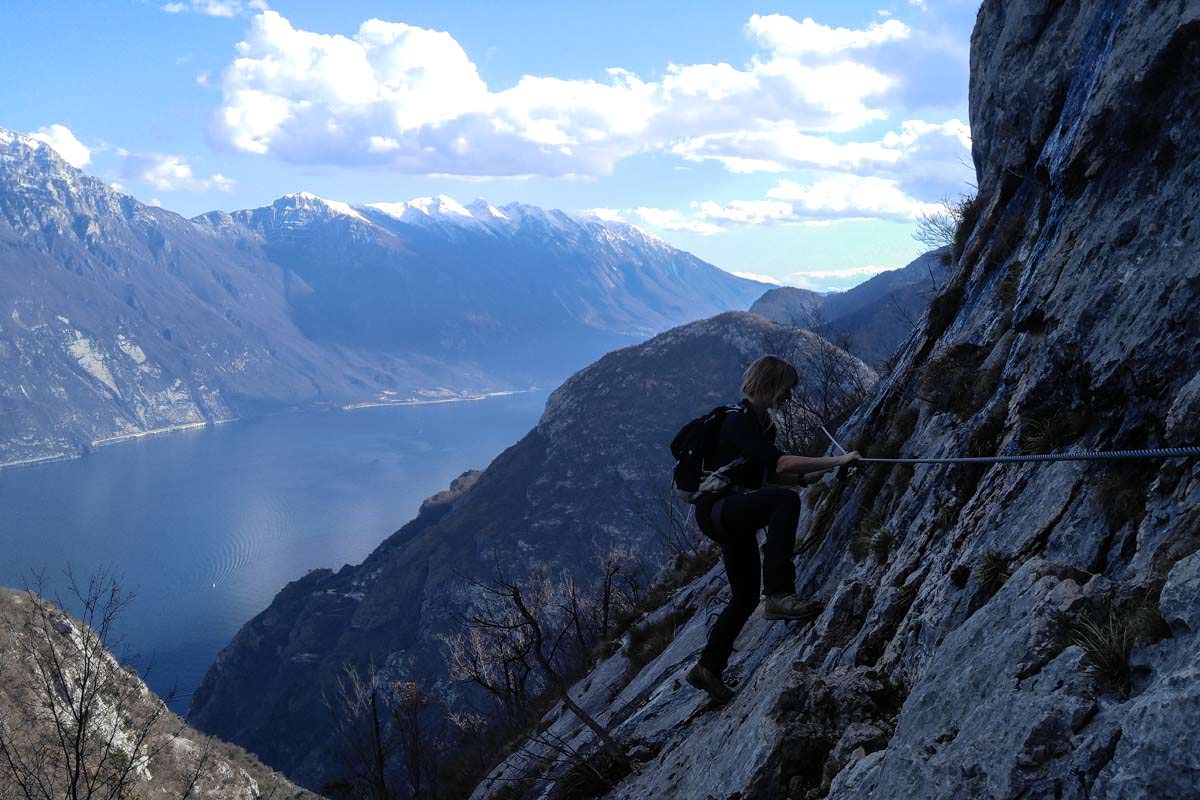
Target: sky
[[799, 142]]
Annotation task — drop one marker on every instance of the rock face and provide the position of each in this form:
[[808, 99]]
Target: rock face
[[871, 320], [1013, 630], [117, 318], [583, 480], [176, 752]]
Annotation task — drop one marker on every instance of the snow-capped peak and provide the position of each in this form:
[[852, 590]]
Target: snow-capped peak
[[442, 205], [483, 210], [309, 200], [441, 208]]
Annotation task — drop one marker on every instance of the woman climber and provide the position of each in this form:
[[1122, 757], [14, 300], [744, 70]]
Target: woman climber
[[733, 520]]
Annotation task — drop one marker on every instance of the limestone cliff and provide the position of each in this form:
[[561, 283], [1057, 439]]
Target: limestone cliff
[[1012, 631]]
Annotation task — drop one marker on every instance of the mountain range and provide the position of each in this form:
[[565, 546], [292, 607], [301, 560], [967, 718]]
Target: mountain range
[[869, 320], [121, 318]]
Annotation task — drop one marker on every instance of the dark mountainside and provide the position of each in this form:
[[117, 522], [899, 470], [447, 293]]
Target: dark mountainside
[[1012, 631], [871, 320], [583, 480], [120, 318]]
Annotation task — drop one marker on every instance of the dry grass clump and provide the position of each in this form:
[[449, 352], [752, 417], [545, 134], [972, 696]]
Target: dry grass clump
[[966, 211], [862, 540], [647, 640], [815, 494], [591, 777], [881, 544], [1107, 644], [954, 381], [1007, 238], [1007, 286], [943, 309], [993, 570], [1106, 647], [904, 423], [1048, 431]]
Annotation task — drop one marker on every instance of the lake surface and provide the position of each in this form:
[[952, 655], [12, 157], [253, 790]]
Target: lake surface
[[206, 526]]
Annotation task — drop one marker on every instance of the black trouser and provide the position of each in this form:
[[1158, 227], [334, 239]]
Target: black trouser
[[741, 516]]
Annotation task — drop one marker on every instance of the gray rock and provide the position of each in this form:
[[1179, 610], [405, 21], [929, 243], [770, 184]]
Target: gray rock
[[1180, 599]]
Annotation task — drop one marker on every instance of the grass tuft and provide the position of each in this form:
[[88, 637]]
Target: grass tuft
[[881, 544], [862, 540], [1107, 644], [993, 570], [1106, 648], [649, 639], [1007, 286], [966, 211], [954, 381], [1049, 432]]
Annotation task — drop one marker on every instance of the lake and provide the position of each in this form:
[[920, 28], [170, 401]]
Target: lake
[[206, 526]]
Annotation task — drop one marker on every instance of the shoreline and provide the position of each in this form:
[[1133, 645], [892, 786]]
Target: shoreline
[[413, 401], [182, 426], [191, 426]]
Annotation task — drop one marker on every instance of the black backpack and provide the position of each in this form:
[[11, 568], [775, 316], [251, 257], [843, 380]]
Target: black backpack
[[695, 450]]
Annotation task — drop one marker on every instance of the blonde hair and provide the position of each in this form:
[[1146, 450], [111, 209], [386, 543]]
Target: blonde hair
[[768, 380]]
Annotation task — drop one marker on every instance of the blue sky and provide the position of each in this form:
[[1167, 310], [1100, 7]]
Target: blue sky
[[798, 141]]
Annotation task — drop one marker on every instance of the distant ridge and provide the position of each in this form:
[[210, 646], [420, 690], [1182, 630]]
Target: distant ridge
[[121, 319]]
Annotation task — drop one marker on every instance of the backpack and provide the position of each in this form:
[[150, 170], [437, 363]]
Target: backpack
[[695, 449]]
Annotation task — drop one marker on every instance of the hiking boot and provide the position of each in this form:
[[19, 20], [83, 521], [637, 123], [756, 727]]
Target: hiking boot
[[790, 606], [706, 680]]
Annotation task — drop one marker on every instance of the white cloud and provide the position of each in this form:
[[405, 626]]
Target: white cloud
[[606, 214], [824, 280], [850, 197], [828, 200], [672, 220], [784, 34], [215, 8], [59, 137], [412, 99], [755, 276], [170, 173], [202, 79], [928, 159]]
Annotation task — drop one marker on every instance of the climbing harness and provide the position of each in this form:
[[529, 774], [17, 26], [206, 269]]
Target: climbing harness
[[1078, 455]]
